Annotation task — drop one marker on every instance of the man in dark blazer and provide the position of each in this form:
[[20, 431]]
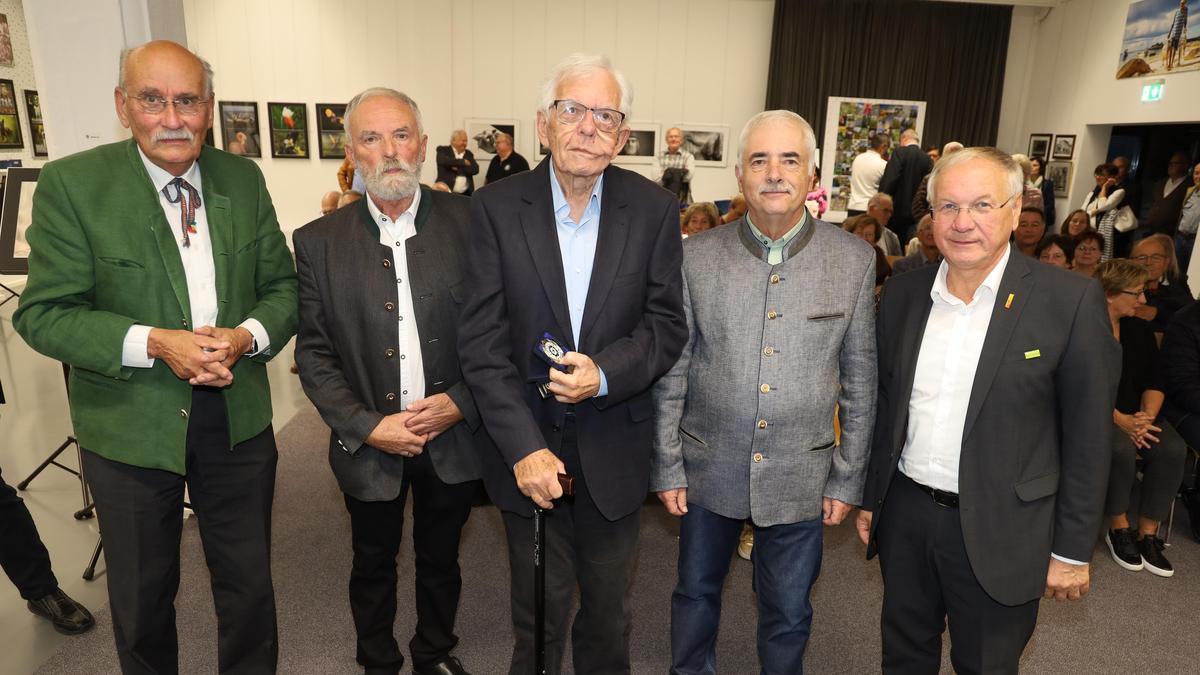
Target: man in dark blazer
[[456, 165], [990, 454], [379, 298], [905, 169], [590, 254], [159, 274], [1166, 199]]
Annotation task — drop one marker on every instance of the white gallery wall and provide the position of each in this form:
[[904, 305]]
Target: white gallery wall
[[689, 61]]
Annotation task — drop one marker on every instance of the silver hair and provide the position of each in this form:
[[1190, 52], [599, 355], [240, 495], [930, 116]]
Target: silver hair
[[1024, 162], [1001, 160], [458, 132], [125, 53], [580, 65], [810, 138], [374, 92], [880, 197], [951, 148], [908, 134]]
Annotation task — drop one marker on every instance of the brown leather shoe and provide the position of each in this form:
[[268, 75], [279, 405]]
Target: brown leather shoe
[[69, 617]]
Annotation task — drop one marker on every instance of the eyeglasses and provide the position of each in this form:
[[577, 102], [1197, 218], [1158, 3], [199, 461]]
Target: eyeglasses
[[1156, 257], [1087, 249], [948, 212], [153, 104], [1136, 294], [573, 112]]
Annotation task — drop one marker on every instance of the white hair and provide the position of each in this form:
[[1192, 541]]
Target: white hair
[[910, 134], [1001, 160], [374, 92], [766, 116], [879, 198], [581, 65]]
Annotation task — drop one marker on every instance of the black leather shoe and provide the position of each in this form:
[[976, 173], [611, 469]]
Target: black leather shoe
[[447, 666], [69, 617]]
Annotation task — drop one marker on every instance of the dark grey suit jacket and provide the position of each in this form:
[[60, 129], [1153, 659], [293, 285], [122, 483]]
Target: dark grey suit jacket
[[1035, 454], [347, 344]]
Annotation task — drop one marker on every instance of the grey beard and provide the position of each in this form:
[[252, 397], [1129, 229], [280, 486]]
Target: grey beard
[[394, 188]]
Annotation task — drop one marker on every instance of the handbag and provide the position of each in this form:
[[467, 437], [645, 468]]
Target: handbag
[[1125, 221]]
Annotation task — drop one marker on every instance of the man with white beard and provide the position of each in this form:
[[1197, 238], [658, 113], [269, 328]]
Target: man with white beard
[[379, 303]]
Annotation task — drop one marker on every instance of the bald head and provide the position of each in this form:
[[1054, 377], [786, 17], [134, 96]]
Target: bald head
[[134, 60], [329, 202]]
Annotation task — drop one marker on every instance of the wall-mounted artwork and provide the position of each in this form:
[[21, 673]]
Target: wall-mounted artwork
[[239, 128], [1039, 145], [331, 133], [37, 131], [289, 129], [10, 123], [15, 218], [1060, 174], [1161, 36], [1064, 146], [849, 122], [482, 133], [709, 144], [6, 50], [642, 145]]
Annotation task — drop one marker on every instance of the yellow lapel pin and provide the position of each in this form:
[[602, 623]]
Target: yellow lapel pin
[[1008, 304], [1033, 354]]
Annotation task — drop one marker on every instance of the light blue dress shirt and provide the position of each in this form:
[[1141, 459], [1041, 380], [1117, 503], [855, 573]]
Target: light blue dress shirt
[[775, 247], [577, 244]]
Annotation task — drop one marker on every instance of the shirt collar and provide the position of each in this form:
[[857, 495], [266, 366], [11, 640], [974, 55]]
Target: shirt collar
[[160, 177], [561, 207], [782, 241], [380, 217], [941, 292]]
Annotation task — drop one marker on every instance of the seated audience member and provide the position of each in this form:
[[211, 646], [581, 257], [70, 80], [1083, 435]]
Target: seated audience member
[[737, 209], [1138, 429], [926, 254], [1102, 204], [1076, 223], [348, 197], [1189, 221], [1166, 292], [699, 217], [920, 202], [817, 200], [880, 207], [329, 202], [1179, 363], [1057, 249], [868, 229], [1031, 229], [934, 153], [1036, 180], [1088, 246], [1031, 197]]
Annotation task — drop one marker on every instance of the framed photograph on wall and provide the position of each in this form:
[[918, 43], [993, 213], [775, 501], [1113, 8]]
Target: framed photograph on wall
[[482, 133], [289, 129], [37, 131], [1064, 146], [239, 128], [10, 122], [331, 132], [1060, 173], [849, 122], [708, 143], [1039, 145], [642, 145], [15, 217], [6, 48]]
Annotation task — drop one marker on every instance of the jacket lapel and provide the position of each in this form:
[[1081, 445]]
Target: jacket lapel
[[610, 246], [909, 351], [164, 235], [220, 227], [541, 235]]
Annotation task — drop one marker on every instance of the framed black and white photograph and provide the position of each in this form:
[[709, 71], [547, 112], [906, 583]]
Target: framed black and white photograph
[[482, 133], [708, 143], [1060, 173], [1039, 145], [15, 217], [289, 129], [331, 131], [239, 128], [1064, 147], [10, 122], [642, 145]]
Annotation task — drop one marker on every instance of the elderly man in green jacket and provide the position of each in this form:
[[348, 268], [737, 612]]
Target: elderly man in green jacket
[[159, 274]]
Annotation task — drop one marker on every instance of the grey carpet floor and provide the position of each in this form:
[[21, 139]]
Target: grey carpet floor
[[1130, 623]]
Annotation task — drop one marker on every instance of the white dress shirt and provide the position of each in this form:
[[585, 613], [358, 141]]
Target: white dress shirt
[[460, 181], [865, 172], [393, 234], [198, 269]]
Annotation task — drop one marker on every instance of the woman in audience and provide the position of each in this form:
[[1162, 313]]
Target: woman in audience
[[867, 228], [817, 200], [1076, 223], [1138, 429], [1088, 245], [1037, 180], [1165, 291], [1179, 363], [699, 217], [1032, 196], [1057, 249], [1101, 206]]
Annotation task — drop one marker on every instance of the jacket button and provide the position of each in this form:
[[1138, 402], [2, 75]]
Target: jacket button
[[768, 350], [389, 353], [389, 306], [772, 314], [774, 278], [391, 396], [762, 424], [387, 263], [185, 322], [183, 413], [758, 457], [765, 388]]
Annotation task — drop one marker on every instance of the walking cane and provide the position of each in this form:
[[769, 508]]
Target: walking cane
[[539, 577]]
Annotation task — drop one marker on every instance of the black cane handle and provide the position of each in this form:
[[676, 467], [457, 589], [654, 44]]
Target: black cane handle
[[567, 481]]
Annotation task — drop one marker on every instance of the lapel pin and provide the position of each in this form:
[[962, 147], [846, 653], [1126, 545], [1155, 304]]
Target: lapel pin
[[1033, 354], [1008, 302]]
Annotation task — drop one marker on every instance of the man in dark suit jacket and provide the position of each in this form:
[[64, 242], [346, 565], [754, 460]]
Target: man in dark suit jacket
[[1166, 199], [589, 253], [905, 169], [990, 455], [379, 301], [456, 165]]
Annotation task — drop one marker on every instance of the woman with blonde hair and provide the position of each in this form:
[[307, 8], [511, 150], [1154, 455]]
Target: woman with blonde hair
[[699, 217]]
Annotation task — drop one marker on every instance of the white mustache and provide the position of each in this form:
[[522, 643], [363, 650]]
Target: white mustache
[[183, 134], [781, 186]]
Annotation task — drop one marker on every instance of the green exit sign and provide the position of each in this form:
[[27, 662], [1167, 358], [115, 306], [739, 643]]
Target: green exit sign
[[1152, 92]]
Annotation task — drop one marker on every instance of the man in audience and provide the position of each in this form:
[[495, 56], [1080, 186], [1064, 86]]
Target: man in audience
[[927, 254], [880, 207], [507, 161], [157, 322], [674, 166], [865, 173], [596, 275], [1166, 199], [737, 209], [1189, 221], [329, 202], [990, 451], [456, 164], [1031, 227], [348, 197], [905, 169], [934, 153], [920, 202], [400, 416], [735, 394]]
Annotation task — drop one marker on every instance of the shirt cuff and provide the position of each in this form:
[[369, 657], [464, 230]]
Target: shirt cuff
[[603, 384], [133, 350], [1066, 560], [261, 340]]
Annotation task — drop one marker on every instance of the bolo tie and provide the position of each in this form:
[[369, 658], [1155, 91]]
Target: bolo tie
[[189, 200]]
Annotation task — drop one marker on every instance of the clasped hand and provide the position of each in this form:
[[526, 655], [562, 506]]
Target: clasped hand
[[1139, 427], [205, 357]]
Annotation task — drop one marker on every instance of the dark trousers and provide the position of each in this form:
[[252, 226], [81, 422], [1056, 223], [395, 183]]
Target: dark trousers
[[439, 512], [582, 548], [786, 558], [927, 578], [22, 553], [1162, 471], [141, 520]]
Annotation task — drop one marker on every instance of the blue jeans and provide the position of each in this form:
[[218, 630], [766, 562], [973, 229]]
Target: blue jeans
[[786, 559]]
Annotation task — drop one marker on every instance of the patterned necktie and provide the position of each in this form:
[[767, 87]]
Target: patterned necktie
[[189, 200]]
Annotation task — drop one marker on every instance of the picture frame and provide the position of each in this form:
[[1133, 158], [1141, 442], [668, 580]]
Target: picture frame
[[37, 130], [1039, 145], [708, 143], [239, 128], [642, 146], [288, 126], [331, 131], [10, 120], [1060, 173], [15, 217], [1064, 146], [849, 123], [6, 48], [481, 135]]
